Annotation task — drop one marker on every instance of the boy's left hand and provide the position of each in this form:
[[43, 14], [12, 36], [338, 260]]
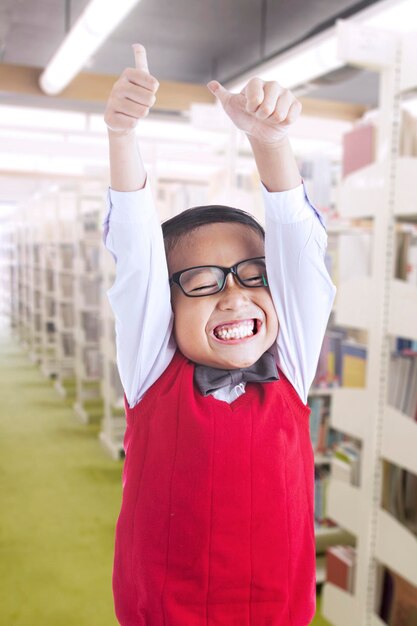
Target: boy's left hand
[[263, 110]]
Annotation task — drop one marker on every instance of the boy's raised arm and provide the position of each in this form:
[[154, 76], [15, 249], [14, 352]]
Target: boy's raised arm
[[140, 294], [296, 239], [130, 100]]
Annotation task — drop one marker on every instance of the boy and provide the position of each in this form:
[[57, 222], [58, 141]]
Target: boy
[[217, 520]]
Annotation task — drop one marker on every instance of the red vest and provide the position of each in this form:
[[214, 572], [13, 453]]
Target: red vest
[[216, 526]]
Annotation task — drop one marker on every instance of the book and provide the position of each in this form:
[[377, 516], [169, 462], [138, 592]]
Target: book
[[321, 482], [329, 368], [341, 566], [402, 386], [323, 430], [399, 495], [386, 595], [403, 373], [341, 471], [353, 364], [346, 462], [401, 254], [409, 402], [410, 501], [315, 420], [408, 135], [398, 602], [323, 438], [358, 148]]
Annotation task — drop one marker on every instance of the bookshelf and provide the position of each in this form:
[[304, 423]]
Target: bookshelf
[[45, 211], [56, 283], [66, 237], [34, 251], [113, 424], [8, 268], [88, 403], [385, 308], [22, 321]]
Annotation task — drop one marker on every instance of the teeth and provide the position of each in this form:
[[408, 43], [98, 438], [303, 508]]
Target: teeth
[[239, 331]]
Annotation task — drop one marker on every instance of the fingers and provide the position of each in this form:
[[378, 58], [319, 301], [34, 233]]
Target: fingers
[[270, 101], [283, 103], [130, 108], [132, 95], [254, 92], [141, 61], [276, 102], [137, 94], [140, 78], [293, 112]]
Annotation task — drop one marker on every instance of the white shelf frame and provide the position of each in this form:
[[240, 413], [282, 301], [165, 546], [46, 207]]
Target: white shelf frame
[[384, 307]]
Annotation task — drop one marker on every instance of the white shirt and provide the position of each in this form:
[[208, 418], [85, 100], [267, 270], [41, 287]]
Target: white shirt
[[301, 288]]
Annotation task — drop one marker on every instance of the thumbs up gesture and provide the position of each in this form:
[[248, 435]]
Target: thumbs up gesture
[[263, 110], [132, 95]]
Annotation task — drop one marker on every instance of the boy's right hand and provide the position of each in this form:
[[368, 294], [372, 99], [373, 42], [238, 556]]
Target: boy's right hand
[[132, 95]]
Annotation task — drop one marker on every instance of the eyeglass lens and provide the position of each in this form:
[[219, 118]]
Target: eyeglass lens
[[205, 281]]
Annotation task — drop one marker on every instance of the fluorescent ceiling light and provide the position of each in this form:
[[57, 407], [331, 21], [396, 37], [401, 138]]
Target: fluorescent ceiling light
[[309, 60], [318, 55], [94, 25]]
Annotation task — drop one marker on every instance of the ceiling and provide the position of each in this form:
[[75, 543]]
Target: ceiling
[[187, 40]]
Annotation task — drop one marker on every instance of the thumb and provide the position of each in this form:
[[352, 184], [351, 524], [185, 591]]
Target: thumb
[[219, 91], [141, 61]]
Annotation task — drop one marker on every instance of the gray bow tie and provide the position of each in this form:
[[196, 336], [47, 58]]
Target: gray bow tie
[[208, 379]]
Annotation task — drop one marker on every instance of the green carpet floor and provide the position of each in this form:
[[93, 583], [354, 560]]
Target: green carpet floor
[[60, 497]]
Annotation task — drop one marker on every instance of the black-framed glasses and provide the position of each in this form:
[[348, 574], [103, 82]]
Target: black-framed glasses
[[205, 280]]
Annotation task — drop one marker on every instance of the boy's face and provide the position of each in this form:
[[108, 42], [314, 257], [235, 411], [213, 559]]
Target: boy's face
[[201, 324]]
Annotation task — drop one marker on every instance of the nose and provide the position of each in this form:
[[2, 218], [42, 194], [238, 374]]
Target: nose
[[233, 294]]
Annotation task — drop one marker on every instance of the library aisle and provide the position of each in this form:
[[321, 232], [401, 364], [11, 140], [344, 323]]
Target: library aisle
[[60, 499]]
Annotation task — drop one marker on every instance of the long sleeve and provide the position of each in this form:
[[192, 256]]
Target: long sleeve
[[301, 288], [140, 294]]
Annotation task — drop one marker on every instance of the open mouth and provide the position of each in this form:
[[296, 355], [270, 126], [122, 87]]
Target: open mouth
[[237, 330]]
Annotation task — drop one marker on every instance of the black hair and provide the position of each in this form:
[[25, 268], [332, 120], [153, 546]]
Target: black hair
[[190, 219]]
